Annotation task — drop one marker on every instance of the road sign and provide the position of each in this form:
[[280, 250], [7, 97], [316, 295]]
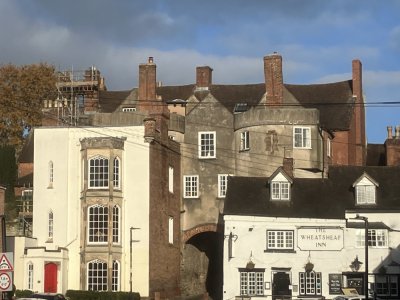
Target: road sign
[[6, 282], [6, 262]]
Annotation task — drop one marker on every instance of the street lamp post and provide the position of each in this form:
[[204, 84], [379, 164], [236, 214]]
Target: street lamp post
[[365, 219]]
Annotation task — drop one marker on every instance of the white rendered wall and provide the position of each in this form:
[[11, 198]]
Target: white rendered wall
[[62, 147], [251, 243]]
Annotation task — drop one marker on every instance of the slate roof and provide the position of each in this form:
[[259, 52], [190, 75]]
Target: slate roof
[[334, 100], [313, 198], [376, 155], [110, 101]]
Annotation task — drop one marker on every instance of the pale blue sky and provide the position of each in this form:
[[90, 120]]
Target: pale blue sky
[[318, 40]]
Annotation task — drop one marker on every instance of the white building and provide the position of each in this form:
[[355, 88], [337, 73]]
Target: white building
[[289, 237], [95, 220]]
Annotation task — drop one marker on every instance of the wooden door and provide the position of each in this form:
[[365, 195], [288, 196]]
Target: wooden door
[[50, 278]]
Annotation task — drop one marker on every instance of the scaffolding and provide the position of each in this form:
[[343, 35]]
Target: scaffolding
[[77, 95]]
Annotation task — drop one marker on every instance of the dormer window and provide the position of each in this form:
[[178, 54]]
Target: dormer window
[[280, 185], [280, 190], [365, 190]]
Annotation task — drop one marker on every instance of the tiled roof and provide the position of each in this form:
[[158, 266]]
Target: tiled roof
[[313, 198], [376, 155], [334, 100]]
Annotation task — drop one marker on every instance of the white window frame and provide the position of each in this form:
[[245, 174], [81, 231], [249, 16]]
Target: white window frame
[[251, 283], [97, 281], [280, 239], [328, 147], [207, 144], [310, 283], [244, 140], [302, 137], [128, 109], [97, 224], [377, 238], [116, 274], [171, 179], [222, 185], [191, 186], [98, 175], [50, 228], [170, 230], [29, 276], [280, 190], [365, 194], [116, 213], [117, 173]]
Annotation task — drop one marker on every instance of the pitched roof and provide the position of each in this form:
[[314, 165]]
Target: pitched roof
[[376, 155], [313, 198], [334, 100], [110, 101]]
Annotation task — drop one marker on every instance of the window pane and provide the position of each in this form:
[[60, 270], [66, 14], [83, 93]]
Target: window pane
[[116, 177], [207, 145], [222, 185], [98, 172], [97, 276], [98, 224], [252, 283], [191, 186]]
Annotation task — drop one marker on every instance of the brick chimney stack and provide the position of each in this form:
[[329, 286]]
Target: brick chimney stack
[[392, 145], [357, 155], [203, 77], [147, 85], [156, 122], [273, 79]]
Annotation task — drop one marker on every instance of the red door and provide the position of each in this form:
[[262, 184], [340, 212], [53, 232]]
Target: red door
[[50, 278]]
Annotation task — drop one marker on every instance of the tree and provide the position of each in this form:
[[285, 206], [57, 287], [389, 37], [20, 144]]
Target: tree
[[22, 91]]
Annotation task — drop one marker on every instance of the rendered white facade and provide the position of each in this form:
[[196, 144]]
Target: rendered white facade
[[61, 191], [246, 250]]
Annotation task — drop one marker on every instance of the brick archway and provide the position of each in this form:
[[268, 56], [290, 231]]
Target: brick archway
[[188, 234]]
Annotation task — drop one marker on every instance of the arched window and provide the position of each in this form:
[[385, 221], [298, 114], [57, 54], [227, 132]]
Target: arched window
[[117, 175], [98, 224], [29, 276], [98, 172], [115, 276], [116, 224], [51, 173], [97, 275], [50, 226]]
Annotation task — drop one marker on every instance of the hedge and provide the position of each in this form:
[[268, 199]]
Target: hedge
[[93, 295]]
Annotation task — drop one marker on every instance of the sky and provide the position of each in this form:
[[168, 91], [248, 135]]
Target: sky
[[317, 40]]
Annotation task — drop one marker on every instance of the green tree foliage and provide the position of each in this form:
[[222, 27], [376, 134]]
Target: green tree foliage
[[8, 175], [22, 91]]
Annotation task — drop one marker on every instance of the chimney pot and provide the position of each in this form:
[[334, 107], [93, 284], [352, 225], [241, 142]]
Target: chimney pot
[[397, 132], [151, 60], [390, 132]]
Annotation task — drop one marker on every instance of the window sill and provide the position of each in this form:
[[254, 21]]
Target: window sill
[[280, 251], [244, 150], [49, 241], [191, 198], [214, 157], [302, 148]]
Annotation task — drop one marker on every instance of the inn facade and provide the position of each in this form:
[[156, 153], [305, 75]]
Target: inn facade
[[297, 237]]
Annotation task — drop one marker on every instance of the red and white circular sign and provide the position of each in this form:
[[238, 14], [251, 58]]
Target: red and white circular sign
[[5, 281]]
